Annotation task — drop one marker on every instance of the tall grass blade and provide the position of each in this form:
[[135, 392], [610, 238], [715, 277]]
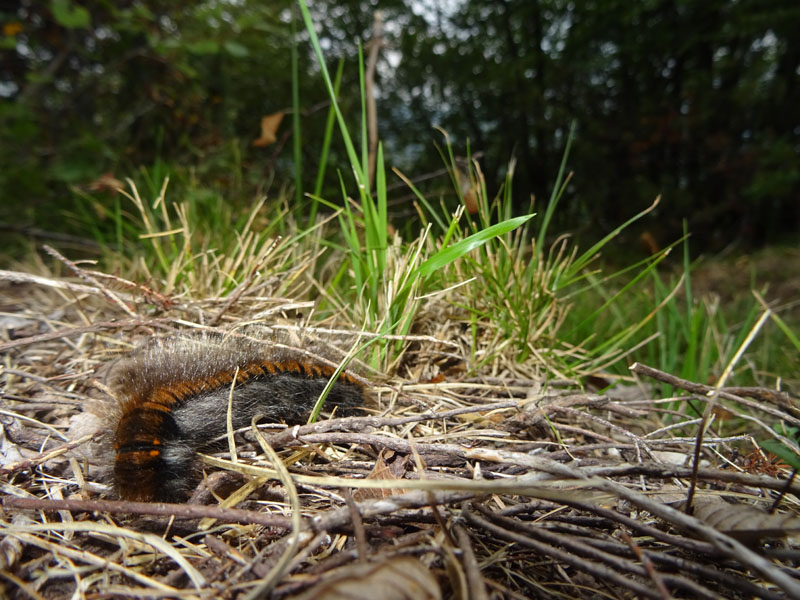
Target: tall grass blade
[[555, 194], [297, 144]]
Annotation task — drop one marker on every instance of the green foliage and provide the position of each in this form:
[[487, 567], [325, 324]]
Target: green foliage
[[656, 318], [694, 101], [107, 88], [388, 280], [686, 100], [69, 15]]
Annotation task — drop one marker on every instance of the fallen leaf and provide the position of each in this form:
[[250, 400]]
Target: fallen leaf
[[403, 578], [12, 28], [467, 191], [746, 523], [106, 183], [269, 129], [384, 472]]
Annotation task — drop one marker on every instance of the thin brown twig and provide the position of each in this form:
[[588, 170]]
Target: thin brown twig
[[737, 394], [162, 509], [578, 544], [663, 471], [358, 525], [783, 491], [651, 469], [356, 424], [72, 331], [477, 588], [648, 565], [597, 570], [432, 499], [685, 565], [162, 301], [337, 519], [43, 457], [109, 295]]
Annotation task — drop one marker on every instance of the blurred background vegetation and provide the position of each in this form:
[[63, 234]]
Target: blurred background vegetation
[[697, 101]]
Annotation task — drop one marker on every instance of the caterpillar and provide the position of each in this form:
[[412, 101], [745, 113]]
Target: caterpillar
[[173, 397]]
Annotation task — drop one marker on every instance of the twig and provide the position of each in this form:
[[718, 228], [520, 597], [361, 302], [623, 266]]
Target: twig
[[578, 543], [357, 424], [736, 394], [599, 571], [71, 331], [663, 471], [684, 565], [477, 589], [163, 301], [375, 45], [724, 543], [358, 525], [44, 456], [648, 565], [705, 390], [341, 517], [110, 296], [783, 491], [181, 511]]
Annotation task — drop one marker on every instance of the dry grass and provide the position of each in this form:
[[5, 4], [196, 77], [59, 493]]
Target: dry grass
[[497, 483]]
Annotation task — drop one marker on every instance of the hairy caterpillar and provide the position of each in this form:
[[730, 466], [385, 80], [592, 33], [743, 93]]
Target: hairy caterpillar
[[173, 402]]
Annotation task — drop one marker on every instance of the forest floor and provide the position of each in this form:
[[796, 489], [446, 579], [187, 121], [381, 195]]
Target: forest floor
[[496, 482], [775, 268]]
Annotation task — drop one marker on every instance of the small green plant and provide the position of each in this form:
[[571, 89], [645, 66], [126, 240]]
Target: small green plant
[[523, 289], [655, 317], [388, 279]]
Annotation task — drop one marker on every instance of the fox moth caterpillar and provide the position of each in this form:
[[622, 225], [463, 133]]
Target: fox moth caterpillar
[[173, 400]]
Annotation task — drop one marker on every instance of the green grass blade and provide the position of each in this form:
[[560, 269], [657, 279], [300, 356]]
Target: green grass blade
[[450, 253], [555, 194], [297, 134], [364, 133], [786, 331], [587, 256], [326, 142], [360, 175]]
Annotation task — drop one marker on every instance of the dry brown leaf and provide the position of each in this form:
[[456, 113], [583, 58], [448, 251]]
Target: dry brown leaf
[[12, 28], [467, 191], [269, 129], [106, 183], [648, 242], [403, 578], [385, 472], [481, 419], [745, 523]]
